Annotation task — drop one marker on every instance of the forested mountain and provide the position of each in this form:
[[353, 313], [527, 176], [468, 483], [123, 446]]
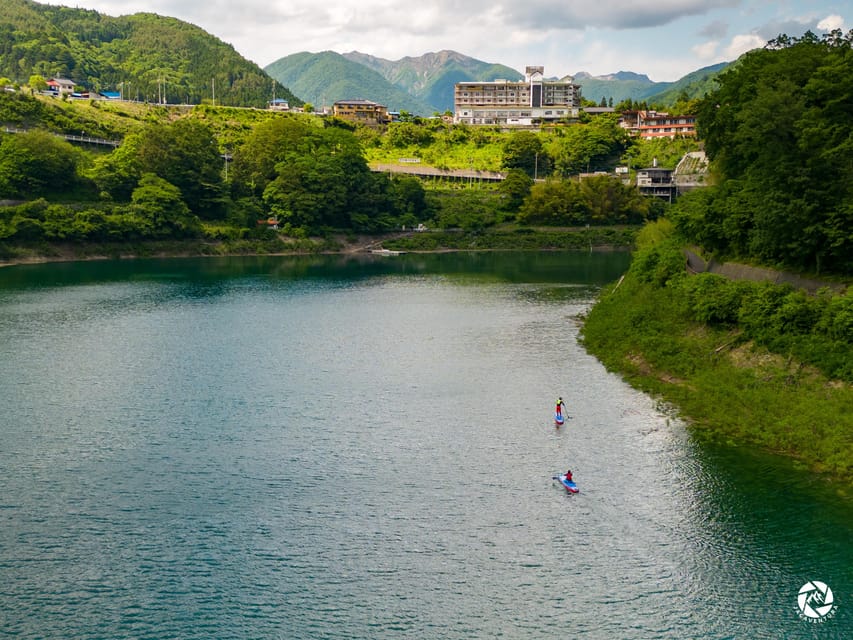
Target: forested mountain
[[778, 133], [429, 79], [432, 76], [144, 55], [693, 85], [324, 78], [619, 86], [626, 85]]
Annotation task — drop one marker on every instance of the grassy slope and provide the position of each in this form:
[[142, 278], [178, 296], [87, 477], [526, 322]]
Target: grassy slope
[[734, 394]]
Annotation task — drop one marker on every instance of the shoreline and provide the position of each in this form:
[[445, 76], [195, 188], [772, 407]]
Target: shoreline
[[344, 246]]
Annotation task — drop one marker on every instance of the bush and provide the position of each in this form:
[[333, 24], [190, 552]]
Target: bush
[[659, 264], [712, 299]]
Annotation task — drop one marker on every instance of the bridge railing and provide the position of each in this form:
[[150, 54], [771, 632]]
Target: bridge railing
[[83, 138]]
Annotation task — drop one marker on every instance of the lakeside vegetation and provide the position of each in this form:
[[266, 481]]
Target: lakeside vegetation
[[744, 362], [748, 362], [218, 174]]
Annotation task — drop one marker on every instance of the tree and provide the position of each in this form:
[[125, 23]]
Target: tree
[[554, 202], [523, 150], [36, 163], [608, 200], [308, 192], [408, 134], [589, 147], [160, 211], [516, 187], [117, 174], [254, 163], [777, 132], [409, 199], [37, 83], [186, 154]]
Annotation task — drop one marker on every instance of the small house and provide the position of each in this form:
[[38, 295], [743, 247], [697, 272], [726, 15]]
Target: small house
[[60, 86]]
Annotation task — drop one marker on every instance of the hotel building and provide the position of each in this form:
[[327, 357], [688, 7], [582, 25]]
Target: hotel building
[[527, 102]]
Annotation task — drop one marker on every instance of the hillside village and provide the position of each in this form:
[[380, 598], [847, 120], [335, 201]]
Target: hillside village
[[529, 103]]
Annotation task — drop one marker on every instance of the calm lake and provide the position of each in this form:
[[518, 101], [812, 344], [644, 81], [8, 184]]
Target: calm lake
[[334, 447]]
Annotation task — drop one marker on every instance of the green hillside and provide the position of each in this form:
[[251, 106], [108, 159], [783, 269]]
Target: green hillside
[[618, 86], [694, 85], [323, 78], [626, 85], [145, 56], [432, 76]]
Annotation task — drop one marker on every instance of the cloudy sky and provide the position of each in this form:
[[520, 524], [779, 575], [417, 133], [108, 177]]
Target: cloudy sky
[[664, 39]]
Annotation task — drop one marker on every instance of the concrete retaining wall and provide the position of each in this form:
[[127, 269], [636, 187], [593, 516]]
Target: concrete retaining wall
[[736, 271]]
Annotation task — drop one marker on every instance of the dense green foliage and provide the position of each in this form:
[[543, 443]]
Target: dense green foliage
[[37, 162], [815, 330], [748, 362], [595, 200], [311, 178], [778, 132], [145, 56], [236, 167], [168, 177], [515, 238], [693, 86], [595, 144]]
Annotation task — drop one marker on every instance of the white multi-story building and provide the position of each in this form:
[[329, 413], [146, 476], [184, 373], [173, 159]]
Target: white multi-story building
[[527, 102]]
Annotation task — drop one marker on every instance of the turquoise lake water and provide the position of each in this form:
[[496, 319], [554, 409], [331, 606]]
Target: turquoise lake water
[[334, 447]]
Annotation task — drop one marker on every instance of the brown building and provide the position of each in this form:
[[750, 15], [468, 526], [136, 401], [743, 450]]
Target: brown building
[[363, 111], [655, 124]]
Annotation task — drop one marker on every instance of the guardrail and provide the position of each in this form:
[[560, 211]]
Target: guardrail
[[83, 138]]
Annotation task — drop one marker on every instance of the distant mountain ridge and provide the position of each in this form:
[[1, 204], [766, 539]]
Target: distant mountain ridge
[[626, 76], [423, 85], [148, 56], [638, 87], [324, 78], [432, 76], [616, 86]]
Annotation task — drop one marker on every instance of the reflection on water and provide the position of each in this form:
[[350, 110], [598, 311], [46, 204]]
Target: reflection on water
[[333, 448]]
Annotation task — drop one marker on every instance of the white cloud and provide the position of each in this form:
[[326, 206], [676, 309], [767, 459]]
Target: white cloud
[[830, 23], [610, 14], [706, 51], [740, 44]]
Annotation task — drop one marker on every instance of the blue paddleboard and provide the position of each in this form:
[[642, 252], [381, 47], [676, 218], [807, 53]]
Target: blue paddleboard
[[569, 485], [558, 418]]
